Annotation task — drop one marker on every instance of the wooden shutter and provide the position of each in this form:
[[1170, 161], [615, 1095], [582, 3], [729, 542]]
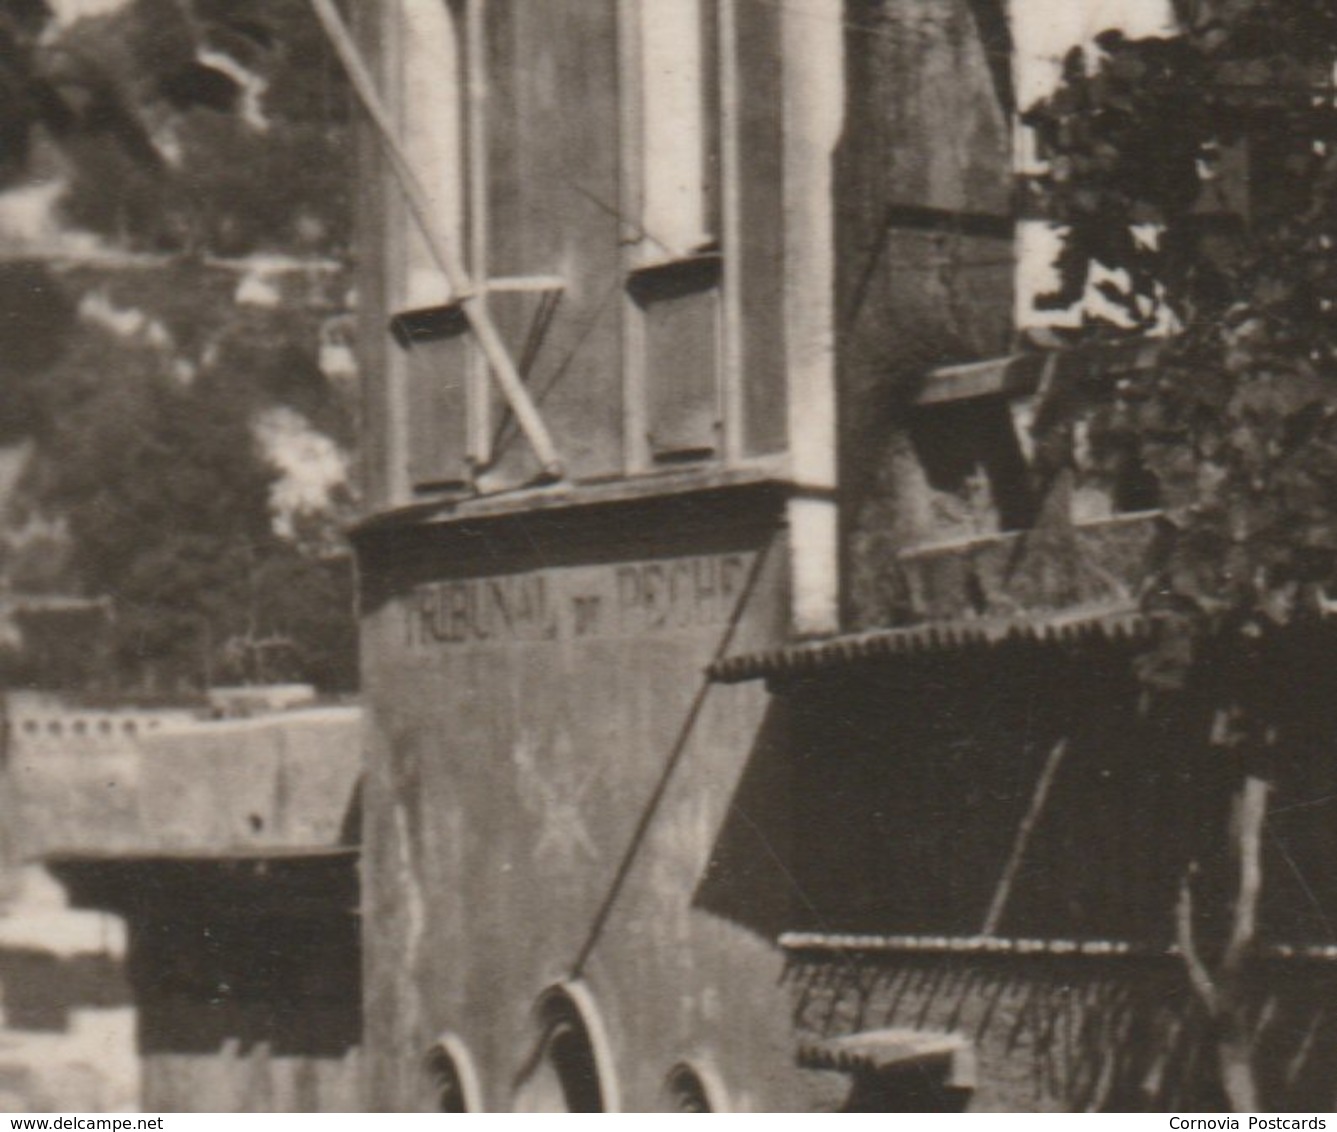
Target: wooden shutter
[[680, 306], [438, 356]]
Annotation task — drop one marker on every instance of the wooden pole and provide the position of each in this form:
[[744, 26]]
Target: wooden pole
[[1003, 892], [439, 244]]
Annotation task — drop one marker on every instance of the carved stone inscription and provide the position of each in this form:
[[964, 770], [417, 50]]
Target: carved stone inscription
[[625, 599]]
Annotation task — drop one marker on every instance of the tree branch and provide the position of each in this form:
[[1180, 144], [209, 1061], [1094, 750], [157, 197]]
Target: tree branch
[[1251, 818], [1199, 977]]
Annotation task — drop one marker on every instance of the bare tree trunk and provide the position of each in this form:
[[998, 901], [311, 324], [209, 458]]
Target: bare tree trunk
[[1235, 1058], [1222, 992]]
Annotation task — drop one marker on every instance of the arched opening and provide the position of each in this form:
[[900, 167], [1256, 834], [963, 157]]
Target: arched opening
[[451, 1078], [571, 1067], [691, 1089]]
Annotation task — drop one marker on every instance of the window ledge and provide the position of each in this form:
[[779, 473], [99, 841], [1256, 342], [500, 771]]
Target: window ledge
[[967, 543], [773, 471], [428, 324], [680, 275]]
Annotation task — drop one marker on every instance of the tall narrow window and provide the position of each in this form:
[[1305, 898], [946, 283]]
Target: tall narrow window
[[677, 274], [432, 127], [431, 103], [680, 108]]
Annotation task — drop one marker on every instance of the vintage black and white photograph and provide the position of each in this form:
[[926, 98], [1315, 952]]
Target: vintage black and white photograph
[[668, 556]]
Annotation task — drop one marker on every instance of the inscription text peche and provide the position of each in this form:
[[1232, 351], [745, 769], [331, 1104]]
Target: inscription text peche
[[626, 599]]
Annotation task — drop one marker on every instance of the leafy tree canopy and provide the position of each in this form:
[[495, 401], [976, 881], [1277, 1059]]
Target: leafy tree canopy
[[1202, 169], [187, 124], [205, 131]]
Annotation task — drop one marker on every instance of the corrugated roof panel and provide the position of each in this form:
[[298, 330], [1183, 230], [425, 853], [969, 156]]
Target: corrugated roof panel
[[1061, 627]]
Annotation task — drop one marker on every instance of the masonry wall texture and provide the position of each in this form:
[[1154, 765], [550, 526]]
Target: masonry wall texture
[[243, 973], [69, 780], [559, 807], [923, 197], [550, 793]]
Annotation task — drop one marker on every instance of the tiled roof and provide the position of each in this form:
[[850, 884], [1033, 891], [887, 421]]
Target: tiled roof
[[1071, 626]]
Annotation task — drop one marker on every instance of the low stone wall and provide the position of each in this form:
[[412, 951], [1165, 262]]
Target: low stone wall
[[284, 780], [154, 784]]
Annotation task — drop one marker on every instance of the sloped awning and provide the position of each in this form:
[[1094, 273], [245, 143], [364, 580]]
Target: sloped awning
[[1019, 375], [1068, 627], [878, 1051], [285, 882]]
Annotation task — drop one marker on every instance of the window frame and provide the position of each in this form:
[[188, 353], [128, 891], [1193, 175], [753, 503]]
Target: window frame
[[640, 258], [467, 192], [647, 259]]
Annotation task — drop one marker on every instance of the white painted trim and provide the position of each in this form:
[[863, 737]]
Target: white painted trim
[[812, 39], [466, 1069], [635, 443], [814, 534], [576, 993], [711, 1083], [394, 230], [814, 113], [731, 304], [476, 209]]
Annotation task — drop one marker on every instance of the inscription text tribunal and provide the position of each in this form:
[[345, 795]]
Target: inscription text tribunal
[[625, 599]]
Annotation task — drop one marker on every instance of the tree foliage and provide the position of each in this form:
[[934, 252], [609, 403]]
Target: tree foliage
[[147, 453], [1201, 170], [201, 132], [186, 124]]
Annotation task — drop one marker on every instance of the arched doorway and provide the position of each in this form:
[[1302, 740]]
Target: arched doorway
[[689, 1088], [571, 1068], [452, 1081]]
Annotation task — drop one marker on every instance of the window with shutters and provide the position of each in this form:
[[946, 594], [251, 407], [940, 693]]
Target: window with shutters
[[435, 354], [572, 155], [676, 275]]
